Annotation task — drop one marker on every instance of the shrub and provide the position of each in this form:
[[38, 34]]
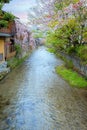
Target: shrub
[[18, 49], [8, 16], [71, 50], [82, 52], [3, 24]]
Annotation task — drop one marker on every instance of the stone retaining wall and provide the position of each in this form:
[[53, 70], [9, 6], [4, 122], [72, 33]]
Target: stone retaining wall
[[76, 62], [3, 69]]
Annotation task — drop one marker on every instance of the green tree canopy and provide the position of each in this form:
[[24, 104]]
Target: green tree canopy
[[5, 17], [4, 1]]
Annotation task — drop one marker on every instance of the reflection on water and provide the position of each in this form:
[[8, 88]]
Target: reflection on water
[[33, 97]]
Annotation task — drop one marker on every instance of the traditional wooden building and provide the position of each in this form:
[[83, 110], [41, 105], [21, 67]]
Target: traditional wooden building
[[15, 33], [7, 48]]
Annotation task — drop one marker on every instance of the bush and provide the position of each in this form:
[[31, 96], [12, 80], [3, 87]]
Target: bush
[[3, 24], [82, 52], [18, 49], [71, 50], [52, 50], [8, 16]]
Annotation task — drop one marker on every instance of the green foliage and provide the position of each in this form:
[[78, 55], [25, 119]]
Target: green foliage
[[82, 52], [72, 77], [14, 62], [38, 35], [71, 50], [8, 16], [5, 17], [51, 50], [3, 24], [58, 6], [85, 35], [18, 49], [67, 35], [1, 12], [69, 64], [53, 23], [67, 38], [1, 5], [4, 1], [51, 38], [61, 4], [71, 32]]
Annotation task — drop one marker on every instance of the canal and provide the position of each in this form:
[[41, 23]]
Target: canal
[[34, 97]]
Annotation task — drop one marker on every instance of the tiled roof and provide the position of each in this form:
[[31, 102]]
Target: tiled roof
[[5, 35]]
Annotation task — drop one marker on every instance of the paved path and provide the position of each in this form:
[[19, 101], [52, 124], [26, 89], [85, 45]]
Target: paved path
[[34, 97]]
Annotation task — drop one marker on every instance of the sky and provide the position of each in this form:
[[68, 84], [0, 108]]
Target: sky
[[20, 8]]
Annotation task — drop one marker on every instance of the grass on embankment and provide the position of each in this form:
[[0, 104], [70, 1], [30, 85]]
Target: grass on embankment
[[71, 77], [14, 62]]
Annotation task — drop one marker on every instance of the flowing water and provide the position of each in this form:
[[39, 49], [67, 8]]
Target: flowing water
[[34, 97]]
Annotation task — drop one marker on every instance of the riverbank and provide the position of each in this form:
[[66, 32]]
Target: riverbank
[[73, 78], [10, 64], [14, 62], [73, 71]]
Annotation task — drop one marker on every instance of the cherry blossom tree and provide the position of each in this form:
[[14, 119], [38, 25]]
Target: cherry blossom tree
[[55, 14]]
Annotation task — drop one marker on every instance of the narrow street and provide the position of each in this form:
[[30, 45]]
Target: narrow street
[[38, 99]]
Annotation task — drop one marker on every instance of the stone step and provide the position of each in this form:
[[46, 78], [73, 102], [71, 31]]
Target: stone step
[[4, 68], [3, 64]]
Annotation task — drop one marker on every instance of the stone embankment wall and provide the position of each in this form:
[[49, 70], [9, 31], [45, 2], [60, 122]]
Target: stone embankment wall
[[3, 69], [78, 64]]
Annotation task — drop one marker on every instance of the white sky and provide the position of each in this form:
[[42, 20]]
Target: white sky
[[20, 8]]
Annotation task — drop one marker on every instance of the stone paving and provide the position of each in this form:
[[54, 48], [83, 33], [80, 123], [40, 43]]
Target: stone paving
[[34, 97]]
